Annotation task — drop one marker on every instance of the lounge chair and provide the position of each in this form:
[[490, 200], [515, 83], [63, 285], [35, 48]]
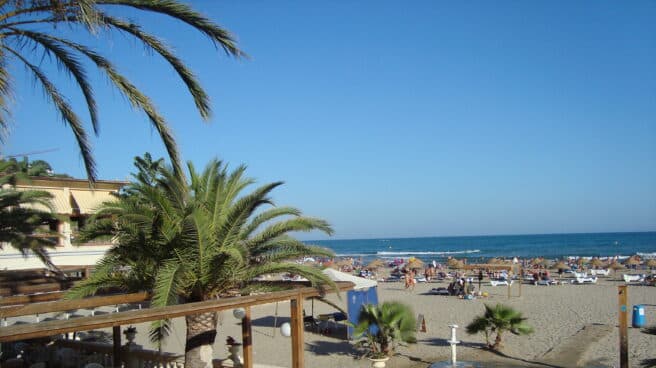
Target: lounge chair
[[633, 278], [548, 282], [586, 280], [600, 272], [580, 274], [500, 282]]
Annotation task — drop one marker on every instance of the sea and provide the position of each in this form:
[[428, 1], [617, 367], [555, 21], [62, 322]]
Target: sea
[[481, 248]]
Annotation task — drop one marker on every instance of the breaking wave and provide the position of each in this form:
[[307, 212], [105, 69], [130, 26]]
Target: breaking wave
[[410, 252]]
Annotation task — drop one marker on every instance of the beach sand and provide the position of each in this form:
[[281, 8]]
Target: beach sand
[[575, 325]]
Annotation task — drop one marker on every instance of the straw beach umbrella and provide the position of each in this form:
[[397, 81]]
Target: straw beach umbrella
[[414, 263], [632, 261], [596, 262], [452, 262], [560, 265], [376, 264], [651, 263], [616, 266], [344, 263]]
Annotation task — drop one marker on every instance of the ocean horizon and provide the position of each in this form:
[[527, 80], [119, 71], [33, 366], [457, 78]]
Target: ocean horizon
[[482, 247]]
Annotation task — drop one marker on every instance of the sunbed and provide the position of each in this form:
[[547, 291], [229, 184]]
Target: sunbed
[[586, 280], [500, 282], [633, 278], [599, 272]]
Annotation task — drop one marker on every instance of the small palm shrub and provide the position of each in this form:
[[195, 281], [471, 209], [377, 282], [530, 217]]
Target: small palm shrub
[[499, 319], [395, 324]]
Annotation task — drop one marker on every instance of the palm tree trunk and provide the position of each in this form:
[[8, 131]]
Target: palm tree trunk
[[497, 341], [201, 332]]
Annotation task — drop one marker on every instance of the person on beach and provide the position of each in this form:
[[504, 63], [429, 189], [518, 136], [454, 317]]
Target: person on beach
[[413, 281]]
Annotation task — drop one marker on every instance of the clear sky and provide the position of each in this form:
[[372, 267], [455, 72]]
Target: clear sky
[[400, 119]]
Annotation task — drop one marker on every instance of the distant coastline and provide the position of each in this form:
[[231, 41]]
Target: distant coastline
[[483, 247]]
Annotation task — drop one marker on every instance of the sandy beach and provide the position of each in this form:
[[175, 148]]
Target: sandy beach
[[575, 325]]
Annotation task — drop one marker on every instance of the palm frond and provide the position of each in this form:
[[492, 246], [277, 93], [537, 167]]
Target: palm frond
[[66, 112], [186, 14], [201, 99], [265, 216], [167, 289], [69, 62]]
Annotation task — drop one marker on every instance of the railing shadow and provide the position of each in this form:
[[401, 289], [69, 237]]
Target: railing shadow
[[332, 348]]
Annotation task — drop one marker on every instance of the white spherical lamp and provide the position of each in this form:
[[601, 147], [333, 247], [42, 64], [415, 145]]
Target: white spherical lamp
[[286, 329], [239, 313]]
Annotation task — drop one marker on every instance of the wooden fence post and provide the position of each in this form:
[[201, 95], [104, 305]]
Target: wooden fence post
[[116, 332], [624, 326], [298, 345], [247, 338]]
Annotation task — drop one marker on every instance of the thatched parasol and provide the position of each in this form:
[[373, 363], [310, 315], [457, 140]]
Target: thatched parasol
[[495, 261], [560, 265], [376, 264], [414, 263], [596, 262], [616, 266], [651, 263], [632, 261], [343, 263], [452, 262]]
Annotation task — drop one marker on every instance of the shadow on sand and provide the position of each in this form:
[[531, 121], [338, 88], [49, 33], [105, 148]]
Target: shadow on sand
[[483, 348]]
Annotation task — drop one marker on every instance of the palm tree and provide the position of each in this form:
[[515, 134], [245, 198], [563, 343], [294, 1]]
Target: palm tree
[[394, 321], [499, 319], [23, 215], [196, 241], [24, 41]]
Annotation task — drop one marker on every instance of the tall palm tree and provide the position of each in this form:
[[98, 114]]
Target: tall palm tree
[[23, 216], [394, 322], [30, 30], [499, 319], [198, 240]]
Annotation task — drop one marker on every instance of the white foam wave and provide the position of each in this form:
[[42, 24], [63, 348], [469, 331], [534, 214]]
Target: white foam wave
[[600, 258], [647, 255], [407, 253], [354, 254]]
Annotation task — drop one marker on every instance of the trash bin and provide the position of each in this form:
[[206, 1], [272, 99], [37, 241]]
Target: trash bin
[[638, 316]]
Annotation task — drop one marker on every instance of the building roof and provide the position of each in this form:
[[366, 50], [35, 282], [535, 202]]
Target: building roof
[[73, 196]]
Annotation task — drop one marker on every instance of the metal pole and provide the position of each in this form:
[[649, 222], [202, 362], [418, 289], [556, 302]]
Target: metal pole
[[624, 326]]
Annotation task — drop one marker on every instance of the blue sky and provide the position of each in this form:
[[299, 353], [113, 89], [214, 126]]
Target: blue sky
[[400, 119]]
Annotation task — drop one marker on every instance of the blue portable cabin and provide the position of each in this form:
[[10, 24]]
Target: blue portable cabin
[[364, 292]]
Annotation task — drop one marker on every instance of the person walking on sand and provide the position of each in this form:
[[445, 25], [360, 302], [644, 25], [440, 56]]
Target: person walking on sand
[[413, 281]]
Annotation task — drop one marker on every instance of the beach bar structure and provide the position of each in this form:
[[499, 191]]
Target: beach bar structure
[[116, 320], [364, 291]]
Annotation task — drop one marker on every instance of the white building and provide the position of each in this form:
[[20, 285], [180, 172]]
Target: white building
[[74, 201]]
